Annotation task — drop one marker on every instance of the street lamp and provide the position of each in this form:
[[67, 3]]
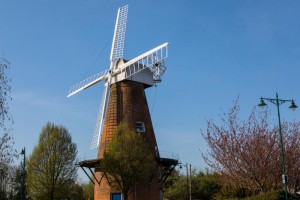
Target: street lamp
[[24, 158], [23, 187], [293, 107], [188, 179]]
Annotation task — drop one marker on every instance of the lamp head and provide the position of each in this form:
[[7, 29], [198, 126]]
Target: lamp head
[[262, 103], [23, 151], [293, 106]]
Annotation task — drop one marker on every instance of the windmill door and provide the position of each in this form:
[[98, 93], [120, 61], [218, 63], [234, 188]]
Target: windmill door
[[116, 196]]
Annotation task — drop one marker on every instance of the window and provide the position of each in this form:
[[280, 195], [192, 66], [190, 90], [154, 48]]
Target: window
[[140, 127]]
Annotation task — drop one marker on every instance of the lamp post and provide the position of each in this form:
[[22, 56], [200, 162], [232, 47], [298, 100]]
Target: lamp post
[[188, 180], [23, 187], [293, 106]]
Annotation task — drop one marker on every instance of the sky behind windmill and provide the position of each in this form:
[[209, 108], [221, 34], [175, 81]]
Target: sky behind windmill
[[219, 50]]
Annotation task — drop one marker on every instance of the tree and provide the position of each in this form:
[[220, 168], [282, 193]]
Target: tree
[[176, 187], [5, 90], [204, 186], [7, 151], [77, 192], [128, 160], [247, 153], [7, 183], [18, 189], [7, 155], [88, 190], [51, 167]]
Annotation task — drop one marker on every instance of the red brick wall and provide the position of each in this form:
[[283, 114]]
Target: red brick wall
[[127, 103]]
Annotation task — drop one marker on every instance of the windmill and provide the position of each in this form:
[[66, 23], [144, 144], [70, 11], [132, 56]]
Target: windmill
[[124, 100], [146, 68]]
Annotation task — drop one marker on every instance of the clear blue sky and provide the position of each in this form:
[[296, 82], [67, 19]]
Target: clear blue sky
[[219, 50]]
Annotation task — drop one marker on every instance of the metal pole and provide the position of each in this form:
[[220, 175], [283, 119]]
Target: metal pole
[[187, 178], [24, 158], [190, 181], [282, 150], [23, 187]]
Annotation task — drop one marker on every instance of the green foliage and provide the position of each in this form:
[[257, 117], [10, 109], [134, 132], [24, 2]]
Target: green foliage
[[51, 167], [204, 186], [271, 195], [128, 160], [207, 185], [76, 192], [88, 190], [232, 192], [241, 194], [176, 187]]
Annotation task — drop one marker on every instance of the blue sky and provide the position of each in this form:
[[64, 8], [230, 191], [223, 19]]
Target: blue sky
[[219, 50]]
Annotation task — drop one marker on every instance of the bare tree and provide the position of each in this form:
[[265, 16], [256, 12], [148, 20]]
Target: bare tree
[[7, 151], [5, 90], [247, 152]]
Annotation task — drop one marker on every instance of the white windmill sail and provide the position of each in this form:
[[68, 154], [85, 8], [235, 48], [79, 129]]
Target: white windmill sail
[[100, 119], [119, 35], [149, 59], [87, 82], [116, 53]]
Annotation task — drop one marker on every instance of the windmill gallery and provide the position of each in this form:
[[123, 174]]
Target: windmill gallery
[[124, 100]]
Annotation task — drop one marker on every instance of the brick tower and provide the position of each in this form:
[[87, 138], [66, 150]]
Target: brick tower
[[127, 103]]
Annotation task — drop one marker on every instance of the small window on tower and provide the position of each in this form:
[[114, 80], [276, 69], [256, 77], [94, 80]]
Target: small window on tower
[[140, 127]]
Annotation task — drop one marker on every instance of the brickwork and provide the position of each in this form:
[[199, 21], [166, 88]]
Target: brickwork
[[128, 103]]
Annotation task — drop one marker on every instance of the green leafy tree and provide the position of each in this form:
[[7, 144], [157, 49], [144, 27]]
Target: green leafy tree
[[51, 167], [88, 190], [77, 192], [203, 186], [176, 187], [128, 160], [206, 185]]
